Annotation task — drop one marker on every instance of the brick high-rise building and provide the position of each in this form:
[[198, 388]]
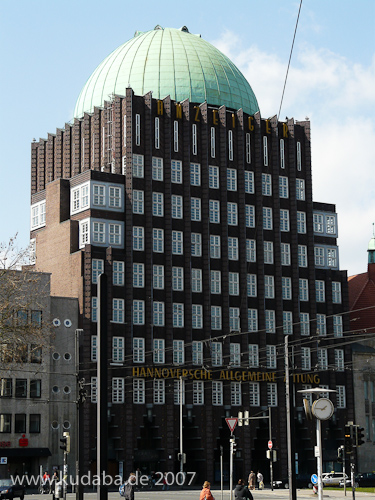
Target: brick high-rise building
[[201, 214]]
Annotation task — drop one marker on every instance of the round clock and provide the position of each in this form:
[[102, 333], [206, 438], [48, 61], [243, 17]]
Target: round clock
[[322, 409]]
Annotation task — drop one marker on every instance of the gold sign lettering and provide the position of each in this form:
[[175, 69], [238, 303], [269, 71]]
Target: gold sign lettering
[[215, 119], [285, 130], [250, 123], [160, 107], [268, 127], [197, 109], [233, 120], [178, 111]]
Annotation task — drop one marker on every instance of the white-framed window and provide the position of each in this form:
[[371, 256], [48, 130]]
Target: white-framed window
[[304, 319], [137, 129], [175, 136], [215, 246], [248, 148], [197, 352], [267, 218], [158, 313], [158, 277], [233, 248], [217, 392], [253, 356], [213, 177], [234, 319], [340, 396], [215, 318], [139, 395], [270, 318], [272, 394], [94, 348], [138, 312], [251, 251], [252, 320], [249, 182], [158, 240], [118, 349], [157, 132], [177, 242], [118, 390], [321, 325], [97, 267], [157, 168], [159, 391], [138, 201], [138, 275], [332, 257], [301, 222], [79, 199], [254, 394], [118, 310], [195, 174], [196, 280], [138, 166], [282, 153], [232, 214], [215, 281], [250, 215], [98, 232], [177, 206], [265, 151], [114, 231], [195, 204], [300, 189], [339, 360], [336, 292], [235, 394], [330, 221], [213, 143], [198, 392], [302, 255], [114, 195], [251, 285], [178, 352], [285, 254], [157, 204], [322, 354], [283, 187], [284, 220], [287, 322], [194, 139], [318, 220], [269, 287], [214, 211], [216, 353], [176, 171], [94, 389], [268, 252], [84, 234], [196, 316], [178, 315], [319, 256], [196, 245], [138, 238], [286, 285], [320, 291], [138, 350], [337, 326], [266, 185], [231, 179], [305, 358], [98, 195], [303, 289], [230, 145], [271, 359], [94, 309], [235, 354], [177, 278], [159, 351], [299, 157]]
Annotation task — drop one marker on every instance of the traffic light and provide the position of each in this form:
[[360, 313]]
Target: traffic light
[[340, 454], [348, 442], [359, 435], [65, 440], [233, 446]]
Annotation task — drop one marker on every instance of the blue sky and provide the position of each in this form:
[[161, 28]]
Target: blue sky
[[50, 48]]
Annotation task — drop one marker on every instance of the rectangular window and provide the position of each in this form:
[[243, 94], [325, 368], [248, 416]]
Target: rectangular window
[[282, 153], [230, 145], [34, 423], [249, 182], [332, 257], [175, 137], [197, 352], [267, 218], [215, 247], [19, 423], [301, 222], [195, 204], [97, 267], [283, 187], [320, 290], [196, 280], [253, 356], [232, 214], [198, 392], [305, 358], [157, 133], [138, 275], [285, 254], [94, 389], [319, 256], [177, 279], [213, 177], [217, 353], [234, 319], [137, 129], [84, 236], [177, 206], [196, 245], [339, 360], [177, 242], [254, 394], [300, 189], [178, 352], [322, 354], [269, 287], [215, 317], [98, 195], [214, 211], [231, 179], [336, 292], [271, 360], [321, 325], [341, 396], [252, 320], [118, 349], [251, 285], [176, 171], [286, 284], [114, 234], [94, 309], [330, 224], [304, 319], [35, 388], [318, 220], [118, 273], [139, 391], [157, 168], [159, 391], [178, 315], [179, 390], [195, 174], [138, 238], [268, 252], [302, 255], [196, 316], [217, 393], [157, 204], [265, 151], [118, 390], [98, 232], [138, 312], [94, 348], [287, 322], [194, 139], [158, 314], [266, 185], [272, 394], [114, 197], [158, 277], [233, 248], [21, 388], [235, 354], [138, 202], [158, 240], [270, 321], [159, 351], [299, 158], [284, 221], [138, 350], [118, 311], [235, 394], [6, 385], [303, 290], [5, 422], [213, 143], [250, 215], [337, 326], [215, 282], [248, 148]]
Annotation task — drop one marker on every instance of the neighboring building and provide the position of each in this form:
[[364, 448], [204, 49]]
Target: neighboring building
[[38, 395], [362, 316], [201, 214]]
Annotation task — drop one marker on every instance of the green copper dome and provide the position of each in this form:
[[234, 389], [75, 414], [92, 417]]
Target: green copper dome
[[168, 61]]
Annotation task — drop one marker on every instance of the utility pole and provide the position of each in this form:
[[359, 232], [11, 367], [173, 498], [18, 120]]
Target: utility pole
[[289, 426]]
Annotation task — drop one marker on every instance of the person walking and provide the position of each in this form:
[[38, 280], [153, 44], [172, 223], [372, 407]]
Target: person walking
[[241, 491], [206, 492], [260, 480], [251, 480]]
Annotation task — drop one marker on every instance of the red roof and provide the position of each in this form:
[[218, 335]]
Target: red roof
[[362, 300]]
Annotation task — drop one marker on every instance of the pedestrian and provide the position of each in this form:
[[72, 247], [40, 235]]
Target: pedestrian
[[241, 491], [54, 481], [251, 480], [165, 482], [260, 480], [126, 490], [206, 492]]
